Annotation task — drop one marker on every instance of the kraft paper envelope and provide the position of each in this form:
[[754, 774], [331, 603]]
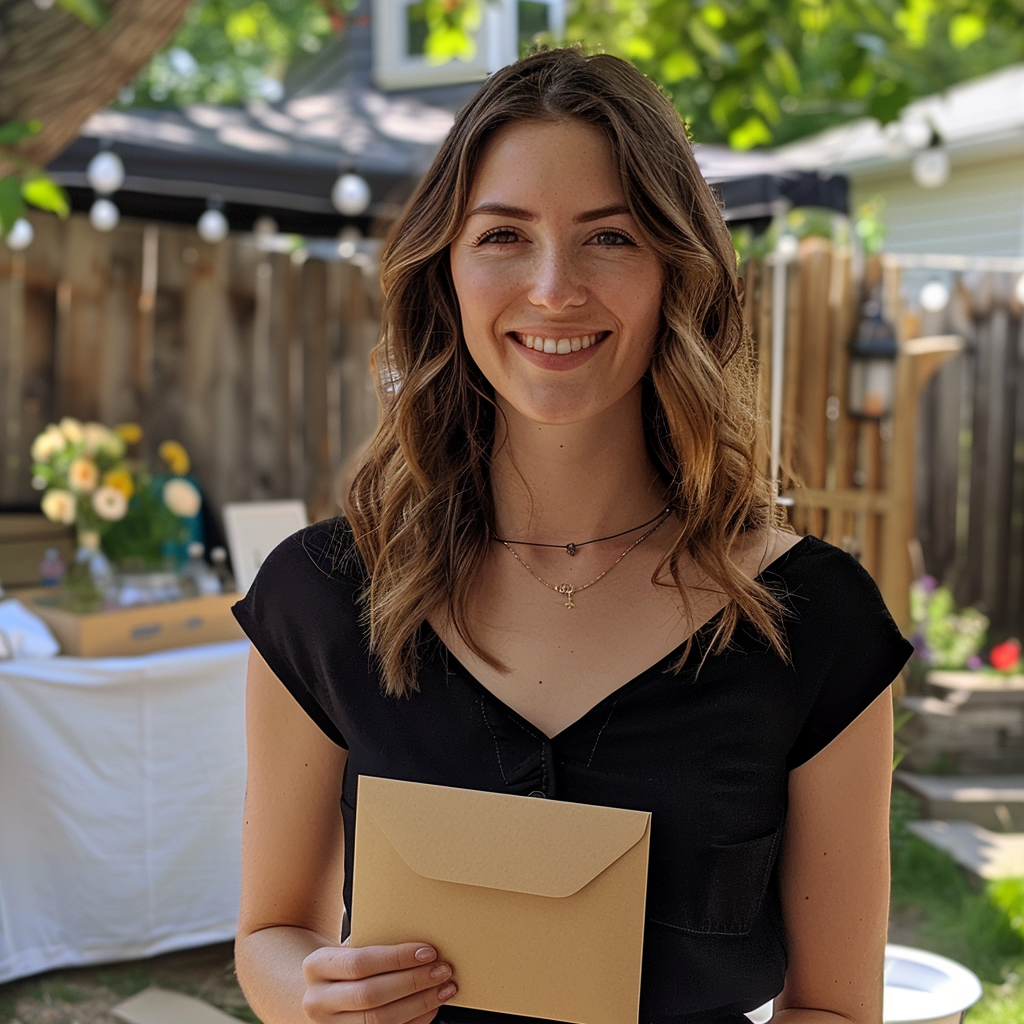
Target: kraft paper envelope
[[537, 904]]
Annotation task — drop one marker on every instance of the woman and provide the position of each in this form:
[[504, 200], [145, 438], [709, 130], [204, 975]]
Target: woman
[[562, 575]]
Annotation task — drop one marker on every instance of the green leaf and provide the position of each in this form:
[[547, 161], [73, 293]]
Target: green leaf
[[765, 103], [92, 12], [728, 99], [753, 132], [14, 131], [890, 98], [12, 206], [705, 38], [679, 64], [965, 29], [46, 194]]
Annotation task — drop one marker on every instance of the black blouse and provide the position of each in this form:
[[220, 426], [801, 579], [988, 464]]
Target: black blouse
[[707, 752]]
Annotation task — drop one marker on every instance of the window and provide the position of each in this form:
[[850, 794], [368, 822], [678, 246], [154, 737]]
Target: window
[[507, 29]]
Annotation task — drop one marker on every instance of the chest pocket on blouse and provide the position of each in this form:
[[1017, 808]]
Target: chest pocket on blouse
[[713, 889]]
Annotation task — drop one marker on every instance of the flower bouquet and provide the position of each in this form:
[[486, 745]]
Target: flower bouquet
[[92, 479]]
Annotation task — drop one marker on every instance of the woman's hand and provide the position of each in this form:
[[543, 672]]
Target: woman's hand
[[401, 984]]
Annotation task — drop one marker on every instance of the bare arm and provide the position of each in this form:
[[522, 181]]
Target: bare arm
[[835, 876], [290, 962]]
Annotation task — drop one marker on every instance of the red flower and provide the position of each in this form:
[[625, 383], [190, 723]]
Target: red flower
[[1005, 656]]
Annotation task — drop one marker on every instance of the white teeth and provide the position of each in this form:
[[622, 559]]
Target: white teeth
[[557, 346]]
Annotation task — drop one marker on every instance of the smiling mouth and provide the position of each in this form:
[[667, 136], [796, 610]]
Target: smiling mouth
[[559, 346]]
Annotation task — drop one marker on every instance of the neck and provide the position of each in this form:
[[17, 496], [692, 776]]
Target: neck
[[556, 484]]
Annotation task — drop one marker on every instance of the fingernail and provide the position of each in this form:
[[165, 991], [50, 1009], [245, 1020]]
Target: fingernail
[[425, 955], [440, 971], [447, 992]]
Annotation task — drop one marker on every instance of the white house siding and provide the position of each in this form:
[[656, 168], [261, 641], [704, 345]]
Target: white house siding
[[978, 212]]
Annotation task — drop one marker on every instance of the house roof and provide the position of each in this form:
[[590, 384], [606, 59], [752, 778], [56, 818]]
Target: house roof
[[973, 119]]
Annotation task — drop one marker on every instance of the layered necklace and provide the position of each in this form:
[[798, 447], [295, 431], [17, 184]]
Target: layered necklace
[[568, 590]]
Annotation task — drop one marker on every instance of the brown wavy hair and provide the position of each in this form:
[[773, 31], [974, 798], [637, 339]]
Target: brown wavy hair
[[420, 504]]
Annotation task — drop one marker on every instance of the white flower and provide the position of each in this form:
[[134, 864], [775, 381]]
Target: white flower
[[59, 506], [71, 429], [48, 443], [94, 437], [182, 498], [112, 444], [110, 504]]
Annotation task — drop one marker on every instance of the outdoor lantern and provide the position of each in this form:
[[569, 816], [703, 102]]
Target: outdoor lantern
[[104, 215], [350, 194], [20, 236], [212, 225], [105, 172], [873, 355], [930, 167]]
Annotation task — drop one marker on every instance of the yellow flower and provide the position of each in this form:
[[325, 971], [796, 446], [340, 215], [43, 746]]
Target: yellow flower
[[71, 429], [175, 456], [59, 506], [83, 474], [130, 433], [110, 504], [182, 498], [120, 480]]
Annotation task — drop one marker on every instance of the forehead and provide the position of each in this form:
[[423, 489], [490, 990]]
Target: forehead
[[561, 160]]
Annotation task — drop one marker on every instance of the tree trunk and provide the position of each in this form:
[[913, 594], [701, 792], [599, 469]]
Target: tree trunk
[[58, 70]]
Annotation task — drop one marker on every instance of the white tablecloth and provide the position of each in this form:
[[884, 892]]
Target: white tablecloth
[[121, 787]]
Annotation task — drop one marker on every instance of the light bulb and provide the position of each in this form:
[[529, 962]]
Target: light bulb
[[105, 172], [20, 236], [930, 167], [350, 194], [934, 296], [212, 226], [104, 215]]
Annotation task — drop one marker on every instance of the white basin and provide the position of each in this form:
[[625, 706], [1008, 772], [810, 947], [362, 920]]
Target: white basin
[[920, 987]]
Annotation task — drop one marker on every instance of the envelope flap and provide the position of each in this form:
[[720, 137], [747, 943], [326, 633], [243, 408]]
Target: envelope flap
[[499, 841]]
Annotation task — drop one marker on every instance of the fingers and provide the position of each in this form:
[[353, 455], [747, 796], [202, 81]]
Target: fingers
[[376, 984], [346, 963]]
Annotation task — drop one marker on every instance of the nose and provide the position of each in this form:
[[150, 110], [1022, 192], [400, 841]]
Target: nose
[[556, 282]]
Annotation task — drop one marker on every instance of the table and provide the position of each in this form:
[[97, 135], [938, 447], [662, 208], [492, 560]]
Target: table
[[121, 788]]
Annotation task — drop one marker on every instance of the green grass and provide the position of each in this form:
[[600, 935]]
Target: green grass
[[980, 926]]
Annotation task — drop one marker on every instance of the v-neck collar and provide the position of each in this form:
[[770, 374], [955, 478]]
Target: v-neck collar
[[451, 663]]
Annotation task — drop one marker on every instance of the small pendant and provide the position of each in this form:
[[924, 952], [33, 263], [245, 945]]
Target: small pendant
[[566, 589], [571, 548]]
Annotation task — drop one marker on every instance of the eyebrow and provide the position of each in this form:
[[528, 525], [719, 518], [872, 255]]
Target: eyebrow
[[518, 213]]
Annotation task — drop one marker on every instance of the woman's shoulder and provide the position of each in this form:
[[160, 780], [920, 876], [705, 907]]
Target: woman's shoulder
[[322, 552], [825, 588]]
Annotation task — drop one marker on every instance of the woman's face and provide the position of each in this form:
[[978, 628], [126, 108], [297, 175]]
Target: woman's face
[[559, 291]]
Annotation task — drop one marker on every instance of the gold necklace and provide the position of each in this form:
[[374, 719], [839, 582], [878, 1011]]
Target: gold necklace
[[568, 590]]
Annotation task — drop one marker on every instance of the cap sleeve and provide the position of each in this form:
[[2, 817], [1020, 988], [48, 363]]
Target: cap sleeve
[[299, 607], [846, 646]]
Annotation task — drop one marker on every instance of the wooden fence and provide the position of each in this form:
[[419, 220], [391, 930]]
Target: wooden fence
[[258, 362], [255, 360], [970, 464]]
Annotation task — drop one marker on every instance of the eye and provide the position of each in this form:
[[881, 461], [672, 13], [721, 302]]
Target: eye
[[498, 236], [608, 236]]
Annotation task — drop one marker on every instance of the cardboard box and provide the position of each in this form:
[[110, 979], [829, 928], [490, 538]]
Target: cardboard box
[[537, 904], [141, 630]]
